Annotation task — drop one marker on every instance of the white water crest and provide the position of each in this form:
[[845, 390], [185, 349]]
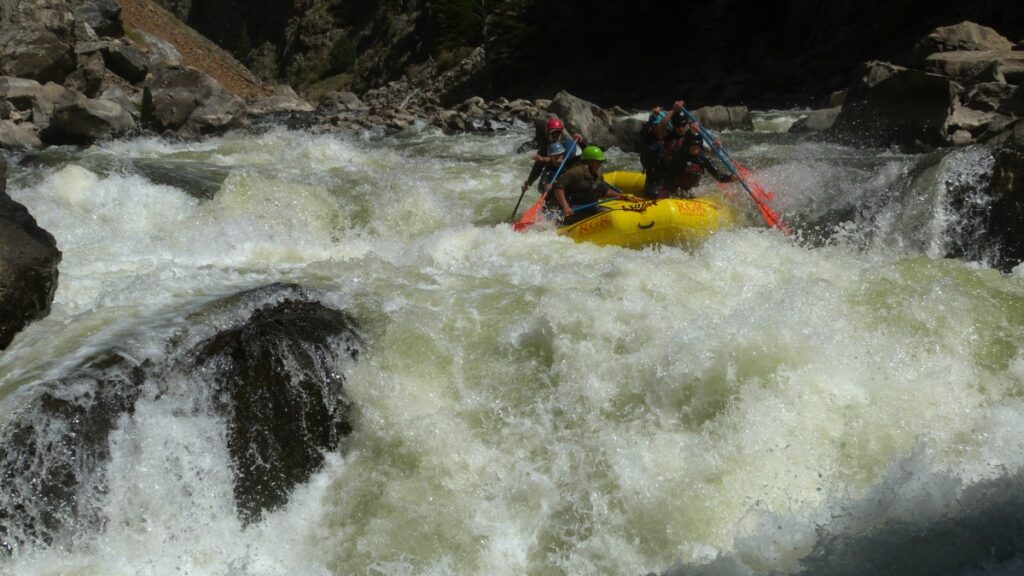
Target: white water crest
[[526, 404]]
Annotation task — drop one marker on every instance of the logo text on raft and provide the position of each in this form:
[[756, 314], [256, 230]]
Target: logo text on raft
[[691, 208], [591, 226]]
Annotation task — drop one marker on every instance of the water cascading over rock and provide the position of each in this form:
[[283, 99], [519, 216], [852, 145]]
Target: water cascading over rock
[[270, 363]]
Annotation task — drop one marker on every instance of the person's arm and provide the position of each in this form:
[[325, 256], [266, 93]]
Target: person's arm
[[538, 167], [563, 202], [577, 148], [559, 187], [676, 116]]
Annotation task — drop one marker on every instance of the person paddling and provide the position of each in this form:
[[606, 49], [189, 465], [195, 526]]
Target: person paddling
[[685, 162], [556, 155], [580, 186], [555, 133], [652, 148]]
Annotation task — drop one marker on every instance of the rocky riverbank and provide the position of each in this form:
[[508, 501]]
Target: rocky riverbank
[[966, 87]]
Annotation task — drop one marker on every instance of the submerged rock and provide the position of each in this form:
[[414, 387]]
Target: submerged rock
[[53, 454], [276, 382]]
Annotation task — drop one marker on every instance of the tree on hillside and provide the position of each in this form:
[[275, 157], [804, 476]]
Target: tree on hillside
[[459, 23]]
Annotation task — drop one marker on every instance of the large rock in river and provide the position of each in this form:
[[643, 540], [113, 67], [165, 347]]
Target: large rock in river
[[28, 266], [188, 101], [893, 105], [270, 363], [277, 381], [53, 452], [1007, 189], [597, 125]]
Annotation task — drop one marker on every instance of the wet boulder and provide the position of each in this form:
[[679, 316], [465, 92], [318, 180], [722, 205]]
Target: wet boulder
[[1007, 190], [893, 105], [28, 266], [189, 102], [277, 382], [53, 454], [269, 362]]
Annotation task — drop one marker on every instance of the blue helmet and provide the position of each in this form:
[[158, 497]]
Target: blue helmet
[[555, 149]]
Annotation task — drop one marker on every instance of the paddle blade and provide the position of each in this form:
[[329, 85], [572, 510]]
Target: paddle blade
[[762, 197], [759, 192], [773, 219], [532, 216]]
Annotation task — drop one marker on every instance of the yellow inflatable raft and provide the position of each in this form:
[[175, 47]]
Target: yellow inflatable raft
[[639, 224]]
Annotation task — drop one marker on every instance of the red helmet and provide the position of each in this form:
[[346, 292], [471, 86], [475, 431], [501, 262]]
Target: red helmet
[[555, 124]]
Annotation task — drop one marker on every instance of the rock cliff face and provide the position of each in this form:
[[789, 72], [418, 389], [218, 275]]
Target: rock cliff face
[[730, 51], [298, 41]]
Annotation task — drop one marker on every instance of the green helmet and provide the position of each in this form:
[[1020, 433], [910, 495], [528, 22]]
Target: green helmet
[[593, 153]]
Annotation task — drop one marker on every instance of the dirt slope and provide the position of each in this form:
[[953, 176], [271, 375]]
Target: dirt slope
[[196, 51]]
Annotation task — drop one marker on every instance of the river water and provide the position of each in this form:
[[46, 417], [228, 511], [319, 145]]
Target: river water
[[823, 403]]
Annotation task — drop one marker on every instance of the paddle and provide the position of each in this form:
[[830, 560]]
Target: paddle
[[592, 204], [531, 216], [770, 216]]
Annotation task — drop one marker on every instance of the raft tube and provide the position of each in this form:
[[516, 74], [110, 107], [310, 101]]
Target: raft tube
[[673, 221]]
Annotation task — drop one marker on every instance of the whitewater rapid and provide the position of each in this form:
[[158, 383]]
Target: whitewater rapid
[[525, 404]]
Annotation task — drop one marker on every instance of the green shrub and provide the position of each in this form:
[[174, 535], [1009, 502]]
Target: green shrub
[[343, 55], [458, 22]]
